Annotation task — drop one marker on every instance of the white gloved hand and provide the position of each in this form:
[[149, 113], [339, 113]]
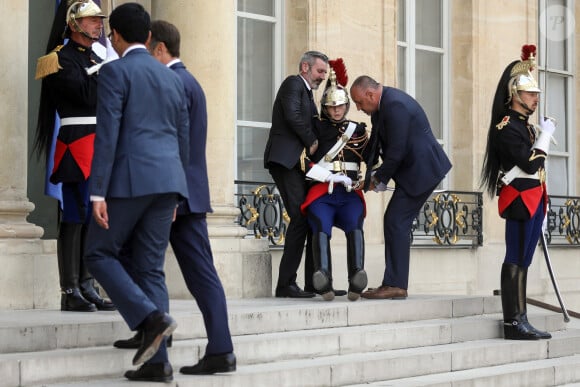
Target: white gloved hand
[[548, 126], [543, 141], [338, 178]]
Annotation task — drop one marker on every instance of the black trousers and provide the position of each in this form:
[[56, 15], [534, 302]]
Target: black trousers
[[292, 186]]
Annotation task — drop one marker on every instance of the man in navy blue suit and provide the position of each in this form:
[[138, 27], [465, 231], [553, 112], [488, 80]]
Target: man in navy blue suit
[[189, 237], [141, 150], [412, 158]]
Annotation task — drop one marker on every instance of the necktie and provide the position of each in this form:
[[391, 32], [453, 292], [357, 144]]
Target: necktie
[[313, 107]]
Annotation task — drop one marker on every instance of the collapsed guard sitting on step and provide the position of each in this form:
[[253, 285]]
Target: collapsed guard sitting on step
[[334, 197]]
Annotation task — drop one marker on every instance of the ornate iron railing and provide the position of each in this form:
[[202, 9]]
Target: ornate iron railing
[[563, 226], [448, 219], [262, 211]]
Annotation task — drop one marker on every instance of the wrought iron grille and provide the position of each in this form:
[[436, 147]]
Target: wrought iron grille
[[262, 211], [563, 226], [448, 219]]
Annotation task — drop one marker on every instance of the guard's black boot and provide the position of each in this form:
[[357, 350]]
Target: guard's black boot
[[522, 286], [309, 270], [514, 327], [322, 277], [355, 256], [92, 295], [69, 259]]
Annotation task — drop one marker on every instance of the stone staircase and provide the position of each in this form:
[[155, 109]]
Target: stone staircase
[[424, 340]]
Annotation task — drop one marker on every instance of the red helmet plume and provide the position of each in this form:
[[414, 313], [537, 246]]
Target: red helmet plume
[[340, 70]]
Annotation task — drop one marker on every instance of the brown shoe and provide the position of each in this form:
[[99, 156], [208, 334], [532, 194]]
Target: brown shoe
[[385, 292]]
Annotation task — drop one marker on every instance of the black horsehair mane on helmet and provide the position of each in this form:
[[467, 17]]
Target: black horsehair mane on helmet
[[47, 109], [68, 10], [500, 108]]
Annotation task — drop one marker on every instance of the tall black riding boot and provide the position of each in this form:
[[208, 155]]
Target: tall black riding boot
[[69, 260], [87, 283], [514, 327], [309, 270], [522, 286], [322, 277], [355, 256]]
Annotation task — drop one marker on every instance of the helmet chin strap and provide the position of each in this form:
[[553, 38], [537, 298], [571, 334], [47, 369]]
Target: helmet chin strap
[[85, 33], [524, 105]]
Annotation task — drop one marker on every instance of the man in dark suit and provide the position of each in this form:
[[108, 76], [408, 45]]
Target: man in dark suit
[[189, 237], [412, 158], [141, 149], [292, 122]]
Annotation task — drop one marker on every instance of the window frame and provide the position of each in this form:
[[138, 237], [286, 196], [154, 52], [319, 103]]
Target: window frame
[[411, 47], [570, 93], [277, 71]]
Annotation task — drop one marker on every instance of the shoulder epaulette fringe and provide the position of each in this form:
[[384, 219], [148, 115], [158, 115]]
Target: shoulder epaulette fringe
[[48, 64]]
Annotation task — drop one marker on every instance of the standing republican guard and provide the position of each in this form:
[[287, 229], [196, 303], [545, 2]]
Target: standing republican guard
[[513, 169], [67, 89]]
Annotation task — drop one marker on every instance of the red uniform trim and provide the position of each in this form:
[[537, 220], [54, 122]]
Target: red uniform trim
[[81, 151], [530, 197]]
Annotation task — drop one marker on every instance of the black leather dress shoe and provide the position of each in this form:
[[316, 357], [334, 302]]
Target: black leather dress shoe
[[211, 364], [135, 342], [151, 372], [155, 327], [292, 291]]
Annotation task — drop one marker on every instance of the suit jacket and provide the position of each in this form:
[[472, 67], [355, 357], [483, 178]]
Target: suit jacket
[[292, 123], [410, 153], [142, 134], [196, 169]]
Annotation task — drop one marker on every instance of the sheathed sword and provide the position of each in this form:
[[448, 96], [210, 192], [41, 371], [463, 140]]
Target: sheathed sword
[[553, 278]]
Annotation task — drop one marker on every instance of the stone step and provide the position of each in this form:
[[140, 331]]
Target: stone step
[[42, 346], [562, 371], [258, 348], [481, 362], [40, 330]]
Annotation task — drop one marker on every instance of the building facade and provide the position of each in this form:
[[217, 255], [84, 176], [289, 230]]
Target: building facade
[[449, 54]]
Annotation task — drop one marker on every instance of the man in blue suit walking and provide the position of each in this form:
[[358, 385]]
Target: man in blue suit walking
[[189, 237], [141, 149], [412, 158]]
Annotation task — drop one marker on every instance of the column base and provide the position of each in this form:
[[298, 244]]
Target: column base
[[29, 275]]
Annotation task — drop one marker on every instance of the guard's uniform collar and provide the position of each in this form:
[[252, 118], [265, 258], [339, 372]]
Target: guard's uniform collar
[[80, 48], [519, 116]]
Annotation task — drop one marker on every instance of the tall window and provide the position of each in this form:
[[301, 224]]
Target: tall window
[[556, 65], [258, 73], [422, 64]]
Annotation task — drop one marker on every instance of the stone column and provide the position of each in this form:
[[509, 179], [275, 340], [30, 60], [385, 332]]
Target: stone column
[[27, 274], [208, 47]]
